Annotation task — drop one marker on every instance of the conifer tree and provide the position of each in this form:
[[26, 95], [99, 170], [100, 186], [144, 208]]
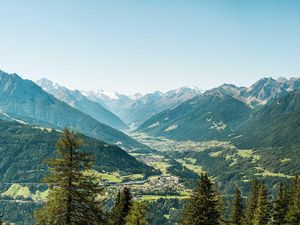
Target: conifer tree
[[220, 207], [251, 203], [236, 216], [137, 214], [280, 205], [73, 196], [122, 207], [262, 213], [293, 215], [115, 215], [203, 207]]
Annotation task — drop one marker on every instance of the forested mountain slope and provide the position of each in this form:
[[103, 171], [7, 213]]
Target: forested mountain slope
[[276, 124], [24, 148], [213, 115]]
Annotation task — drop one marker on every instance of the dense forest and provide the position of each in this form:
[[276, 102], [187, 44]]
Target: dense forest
[[75, 197]]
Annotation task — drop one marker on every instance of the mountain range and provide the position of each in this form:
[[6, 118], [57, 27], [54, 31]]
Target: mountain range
[[136, 109], [239, 114], [211, 116], [78, 101], [227, 112], [251, 131], [276, 124], [25, 101]]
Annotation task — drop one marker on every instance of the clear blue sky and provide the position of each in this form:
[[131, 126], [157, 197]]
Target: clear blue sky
[[145, 45]]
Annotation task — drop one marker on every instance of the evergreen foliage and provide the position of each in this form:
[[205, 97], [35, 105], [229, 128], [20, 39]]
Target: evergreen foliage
[[74, 197], [137, 214], [293, 215], [203, 207], [280, 205], [251, 203], [122, 207], [262, 215], [236, 216]]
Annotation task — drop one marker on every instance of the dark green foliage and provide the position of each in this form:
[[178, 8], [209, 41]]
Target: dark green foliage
[[187, 176], [122, 207], [197, 118], [252, 203], [236, 217], [262, 214], [230, 173], [293, 215], [73, 196], [24, 148], [274, 125], [280, 205], [18, 212], [171, 207], [137, 214], [203, 207]]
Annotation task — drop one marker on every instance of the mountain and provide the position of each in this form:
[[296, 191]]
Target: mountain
[[276, 124], [212, 115], [114, 102], [82, 103], [24, 149], [24, 100], [136, 109], [263, 91], [218, 112]]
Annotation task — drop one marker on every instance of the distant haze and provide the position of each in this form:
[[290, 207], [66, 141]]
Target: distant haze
[[143, 46]]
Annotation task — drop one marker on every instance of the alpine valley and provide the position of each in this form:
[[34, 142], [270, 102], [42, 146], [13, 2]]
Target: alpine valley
[[158, 144]]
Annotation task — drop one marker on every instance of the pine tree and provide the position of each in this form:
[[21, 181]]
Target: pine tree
[[221, 208], [251, 203], [73, 195], [236, 216], [263, 210], [203, 207], [1, 222], [122, 207], [293, 215], [137, 214], [115, 213], [280, 205]]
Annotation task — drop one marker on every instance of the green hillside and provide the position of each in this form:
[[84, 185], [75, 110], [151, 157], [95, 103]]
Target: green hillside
[[23, 149], [275, 125], [210, 116], [25, 100]]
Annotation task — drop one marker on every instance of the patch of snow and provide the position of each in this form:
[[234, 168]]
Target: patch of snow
[[44, 129], [154, 125], [215, 125], [17, 120], [172, 127], [218, 126], [173, 107], [111, 95], [135, 96], [236, 137]]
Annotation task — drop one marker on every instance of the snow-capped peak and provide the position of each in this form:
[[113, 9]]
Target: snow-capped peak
[[102, 94], [136, 96], [48, 85]]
